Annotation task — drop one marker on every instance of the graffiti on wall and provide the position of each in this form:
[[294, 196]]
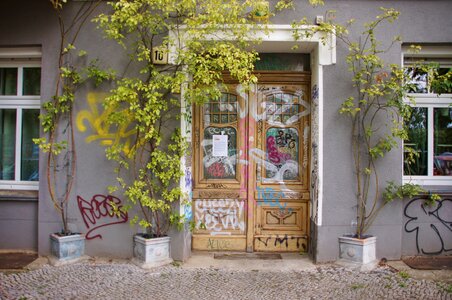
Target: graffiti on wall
[[282, 148], [220, 214], [279, 162], [100, 212], [283, 242], [218, 244], [100, 129], [188, 212], [432, 225], [272, 197], [314, 188]]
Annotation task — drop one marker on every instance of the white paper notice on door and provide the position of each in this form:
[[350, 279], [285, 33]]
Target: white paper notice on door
[[219, 145]]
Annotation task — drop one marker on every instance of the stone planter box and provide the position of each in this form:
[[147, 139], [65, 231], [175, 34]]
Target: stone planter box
[[150, 253], [359, 253], [66, 249]]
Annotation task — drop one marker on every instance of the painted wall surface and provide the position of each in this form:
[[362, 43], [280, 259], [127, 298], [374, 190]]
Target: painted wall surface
[[19, 224], [421, 22], [429, 225], [33, 23]]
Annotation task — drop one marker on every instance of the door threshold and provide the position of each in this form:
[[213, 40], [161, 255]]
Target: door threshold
[[244, 255]]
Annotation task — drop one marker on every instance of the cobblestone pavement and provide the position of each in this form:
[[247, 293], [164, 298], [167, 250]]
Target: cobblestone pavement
[[126, 281]]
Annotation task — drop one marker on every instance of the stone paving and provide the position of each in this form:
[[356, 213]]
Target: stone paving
[[90, 280]]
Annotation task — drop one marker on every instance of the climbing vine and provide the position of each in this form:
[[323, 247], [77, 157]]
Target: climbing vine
[[204, 40]]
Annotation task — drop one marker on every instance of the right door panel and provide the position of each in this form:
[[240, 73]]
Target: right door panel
[[281, 190]]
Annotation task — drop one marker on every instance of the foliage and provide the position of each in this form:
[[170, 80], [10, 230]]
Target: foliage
[[57, 119], [150, 101], [439, 80], [204, 40], [376, 111]]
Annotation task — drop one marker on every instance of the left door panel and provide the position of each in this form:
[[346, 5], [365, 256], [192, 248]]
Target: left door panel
[[219, 192]]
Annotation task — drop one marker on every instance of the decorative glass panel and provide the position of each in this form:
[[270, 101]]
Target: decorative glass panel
[[442, 142], [32, 81], [283, 62], [7, 143], [416, 151], [223, 111], [282, 154], [30, 151], [220, 167], [8, 81], [282, 108]]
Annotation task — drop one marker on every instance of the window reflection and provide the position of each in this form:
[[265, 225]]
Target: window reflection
[[29, 151], [442, 142], [8, 81], [7, 143], [32, 81], [416, 146]]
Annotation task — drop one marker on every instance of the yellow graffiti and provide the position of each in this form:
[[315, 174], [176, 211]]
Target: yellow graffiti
[[101, 130]]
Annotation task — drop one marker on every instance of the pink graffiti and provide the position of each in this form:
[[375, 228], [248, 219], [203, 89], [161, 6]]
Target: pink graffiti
[[100, 207], [273, 154], [216, 170]]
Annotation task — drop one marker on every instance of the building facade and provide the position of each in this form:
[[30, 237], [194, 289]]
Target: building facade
[[282, 188]]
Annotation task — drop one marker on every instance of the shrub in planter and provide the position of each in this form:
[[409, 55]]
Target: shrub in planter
[[376, 111], [58, 126], [148, 104]]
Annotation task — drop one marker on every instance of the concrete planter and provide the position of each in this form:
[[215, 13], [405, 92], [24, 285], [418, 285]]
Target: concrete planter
[[66, 249], [358, 253], [150, 253]]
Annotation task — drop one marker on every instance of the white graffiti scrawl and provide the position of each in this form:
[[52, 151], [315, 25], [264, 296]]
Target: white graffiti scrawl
[[220, 214]]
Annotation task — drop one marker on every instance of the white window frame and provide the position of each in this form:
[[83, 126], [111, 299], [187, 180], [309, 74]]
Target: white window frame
[[430, 101], [19, 102]]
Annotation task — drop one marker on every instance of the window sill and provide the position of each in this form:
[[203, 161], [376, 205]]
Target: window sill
[[19, 195], [426, 181], [19, 185]]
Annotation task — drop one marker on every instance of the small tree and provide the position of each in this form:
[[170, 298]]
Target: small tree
[[376, 111], [208, 38], [57, 117]]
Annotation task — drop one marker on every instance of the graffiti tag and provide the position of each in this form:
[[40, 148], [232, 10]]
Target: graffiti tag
[[100, 212], [431, 224]]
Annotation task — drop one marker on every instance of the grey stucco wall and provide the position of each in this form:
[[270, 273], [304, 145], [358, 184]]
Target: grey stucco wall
[[18, 224], [33, 23], [427, 228], [421, 22]]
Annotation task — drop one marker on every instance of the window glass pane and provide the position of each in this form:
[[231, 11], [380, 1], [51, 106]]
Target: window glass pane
[[282, 108], [418, 80], [29, 151], [32, 81], [415, 147], [442, 142], [283, 62], [221, 112], [442, 83], [8, 81], [282, 154], [220, 167], [7, 143]]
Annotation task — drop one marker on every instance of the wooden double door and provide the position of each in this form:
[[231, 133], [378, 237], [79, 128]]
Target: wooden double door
[[251, 167]]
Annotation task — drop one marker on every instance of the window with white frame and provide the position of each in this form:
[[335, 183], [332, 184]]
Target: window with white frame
[[20, 82], [428, 149]]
